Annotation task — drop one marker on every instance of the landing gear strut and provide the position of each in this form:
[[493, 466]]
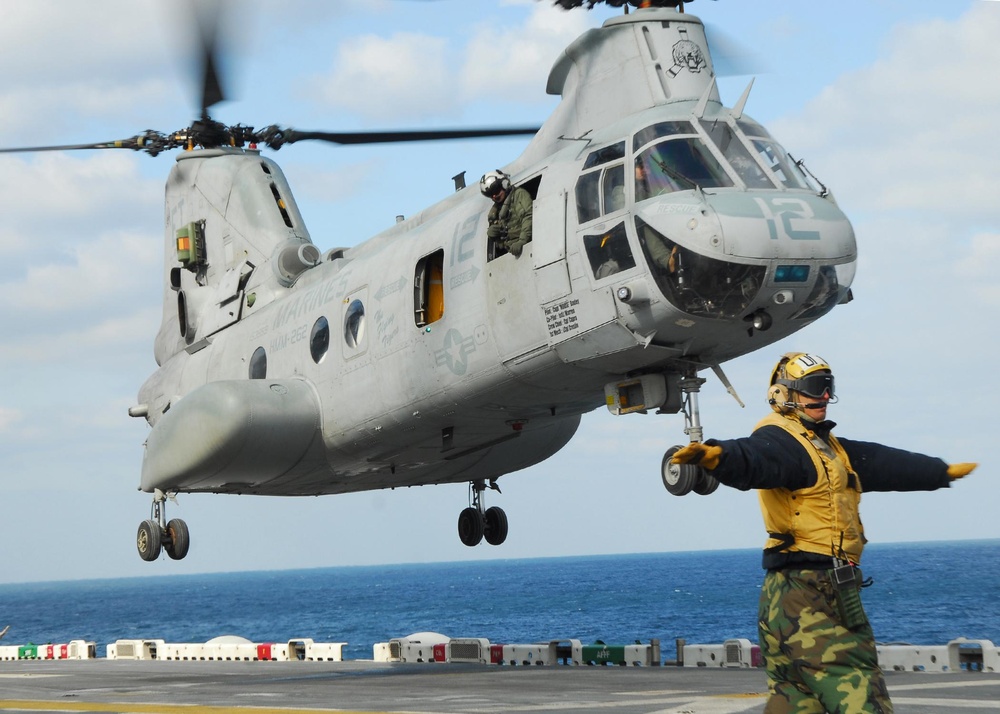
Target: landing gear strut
[[474, 523], [156, 534], [681, 479]]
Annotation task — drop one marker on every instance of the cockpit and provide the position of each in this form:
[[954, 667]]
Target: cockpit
[[674, 156]]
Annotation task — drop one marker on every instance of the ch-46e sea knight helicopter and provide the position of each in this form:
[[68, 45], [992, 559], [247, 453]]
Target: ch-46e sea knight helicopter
[[671, 234]]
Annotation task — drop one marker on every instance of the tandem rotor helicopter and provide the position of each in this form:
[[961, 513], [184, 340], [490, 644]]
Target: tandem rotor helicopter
[[670, 234]]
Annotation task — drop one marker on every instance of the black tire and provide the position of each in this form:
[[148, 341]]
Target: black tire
[[679, 479], [178, 539], [149, 540], [706, 483], [495, 525], [470, 527]]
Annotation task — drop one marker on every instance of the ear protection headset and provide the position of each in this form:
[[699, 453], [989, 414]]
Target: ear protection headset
[[783, 380], [777, 394]]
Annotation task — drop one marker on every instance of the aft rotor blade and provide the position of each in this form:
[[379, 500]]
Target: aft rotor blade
[[208, 17], [290, 136]]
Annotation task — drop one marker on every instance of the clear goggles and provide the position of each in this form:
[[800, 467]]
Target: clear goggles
[[814, 385]]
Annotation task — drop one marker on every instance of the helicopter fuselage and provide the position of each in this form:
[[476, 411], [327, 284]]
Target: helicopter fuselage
[[671, 234]]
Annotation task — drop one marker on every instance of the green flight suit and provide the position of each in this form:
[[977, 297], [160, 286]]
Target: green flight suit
[[510, 221]]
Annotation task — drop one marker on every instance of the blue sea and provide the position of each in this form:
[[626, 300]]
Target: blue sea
[[924, 593]]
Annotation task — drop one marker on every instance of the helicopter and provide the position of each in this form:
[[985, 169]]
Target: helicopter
[[671, 234]]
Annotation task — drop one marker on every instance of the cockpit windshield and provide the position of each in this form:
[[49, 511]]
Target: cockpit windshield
[[677, 164], [774, 156], [734, 151]]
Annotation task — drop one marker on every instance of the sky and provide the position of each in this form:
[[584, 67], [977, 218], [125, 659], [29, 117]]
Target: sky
[[892, 104]]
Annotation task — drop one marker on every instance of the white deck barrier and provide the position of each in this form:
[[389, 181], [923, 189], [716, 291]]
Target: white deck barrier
[[731, 653], [958, 655], [74, 649]]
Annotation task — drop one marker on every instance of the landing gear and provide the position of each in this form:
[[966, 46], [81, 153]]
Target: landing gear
[[156, 535], [681, 479], [474, 523]]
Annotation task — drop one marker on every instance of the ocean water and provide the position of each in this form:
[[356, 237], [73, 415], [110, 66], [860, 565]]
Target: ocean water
[[924, 593]]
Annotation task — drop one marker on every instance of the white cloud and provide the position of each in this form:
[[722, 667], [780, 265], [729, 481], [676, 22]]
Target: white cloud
[[917, 126], [419, 76], [406, 74], [8, 417], [977, 268], [512, 63]]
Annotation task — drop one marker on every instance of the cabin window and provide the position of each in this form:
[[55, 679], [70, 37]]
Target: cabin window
[[354, 324], [319, 339], [428, 289], [599, 192], [609, 252], [258, 364], [695, 283]]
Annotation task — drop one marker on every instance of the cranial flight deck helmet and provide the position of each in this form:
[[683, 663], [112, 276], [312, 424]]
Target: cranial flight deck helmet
[[798, 372], [493, 183]]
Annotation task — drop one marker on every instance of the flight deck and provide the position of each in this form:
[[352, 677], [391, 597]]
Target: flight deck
[[170, 687]]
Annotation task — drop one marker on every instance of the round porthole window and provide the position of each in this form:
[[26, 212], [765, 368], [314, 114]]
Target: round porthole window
[[319, 339]]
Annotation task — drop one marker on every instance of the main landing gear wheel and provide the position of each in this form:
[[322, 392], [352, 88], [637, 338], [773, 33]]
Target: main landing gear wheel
[[148, 540], [495, 522], [178, 539], [157, 535], [474, 522], [470, 526]]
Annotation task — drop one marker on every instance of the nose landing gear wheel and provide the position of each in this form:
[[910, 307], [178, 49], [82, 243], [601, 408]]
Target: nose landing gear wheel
[[706, 483], [470, 526], [149, 540], [495, 525], [679, 479]]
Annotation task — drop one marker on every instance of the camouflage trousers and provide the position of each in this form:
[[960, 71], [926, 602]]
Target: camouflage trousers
[[816, 665]]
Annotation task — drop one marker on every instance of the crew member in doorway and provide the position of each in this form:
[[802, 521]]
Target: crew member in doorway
[[819, 650], [510, 216]]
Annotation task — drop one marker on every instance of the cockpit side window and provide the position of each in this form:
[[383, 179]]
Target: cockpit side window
[[728, 141], [677, 165], [600, 191], [774, 156], [604, 155], [609, 252]]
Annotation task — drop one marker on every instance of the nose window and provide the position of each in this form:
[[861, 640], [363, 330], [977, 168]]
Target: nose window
[[695, 283]]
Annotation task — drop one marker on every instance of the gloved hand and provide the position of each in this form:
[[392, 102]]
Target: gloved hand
[[957, 471], [516, 249], [698, 453]]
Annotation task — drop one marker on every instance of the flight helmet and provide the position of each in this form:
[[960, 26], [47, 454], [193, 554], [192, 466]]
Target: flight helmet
[[493, 182], [798, 372]]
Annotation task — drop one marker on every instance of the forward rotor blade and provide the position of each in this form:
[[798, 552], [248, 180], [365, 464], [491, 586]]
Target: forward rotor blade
[[123, 144], [280, 137]]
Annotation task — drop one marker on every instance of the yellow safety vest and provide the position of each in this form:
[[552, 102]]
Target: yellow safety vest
[[822, 518]]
